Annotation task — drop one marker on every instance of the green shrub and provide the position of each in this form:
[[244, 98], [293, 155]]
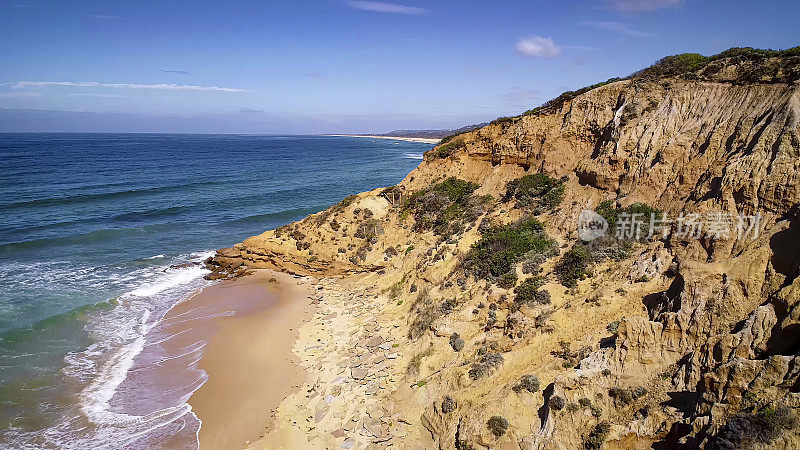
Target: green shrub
[[504, 121], [500, 247], [445, 207], [605, 248], [497, 425], [463, 445], [528, 293], [638, 392], [557, 403], [444, 151], [573, 266], [687, 64], [597, 436], [527, 383], [532, 262], [609, 211], [572, 407], [558, 102], [484, 366], [538, 192], [676, 65], [643, 212], [747, 430], [456, 189], [507, 280], [621, 396], [456, 342]]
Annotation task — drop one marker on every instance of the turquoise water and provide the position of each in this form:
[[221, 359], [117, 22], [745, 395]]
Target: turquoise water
[[95, 231]]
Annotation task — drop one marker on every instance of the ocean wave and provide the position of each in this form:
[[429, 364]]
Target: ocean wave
[[103, 196], [279, 216], [83, 238], [413, 156], [120, 334]]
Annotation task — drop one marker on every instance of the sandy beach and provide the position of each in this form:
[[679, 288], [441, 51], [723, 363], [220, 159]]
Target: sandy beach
[[394, 138], [250, 325]]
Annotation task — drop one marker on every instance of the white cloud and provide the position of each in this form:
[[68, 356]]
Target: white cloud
[[382, 7], [96, 94], [644, 5], [621, 28], [539, 47], [165, 87]]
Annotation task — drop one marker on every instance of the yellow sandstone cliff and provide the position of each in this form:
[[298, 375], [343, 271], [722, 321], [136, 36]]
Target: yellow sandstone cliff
[[682, 340]]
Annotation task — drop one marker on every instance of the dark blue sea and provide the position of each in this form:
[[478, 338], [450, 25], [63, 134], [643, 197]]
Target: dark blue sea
[[95, 234]]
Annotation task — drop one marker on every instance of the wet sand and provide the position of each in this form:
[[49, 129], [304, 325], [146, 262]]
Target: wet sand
[[250, 326]]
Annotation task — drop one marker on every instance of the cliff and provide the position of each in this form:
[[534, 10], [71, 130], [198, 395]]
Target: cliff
[[513, 333]]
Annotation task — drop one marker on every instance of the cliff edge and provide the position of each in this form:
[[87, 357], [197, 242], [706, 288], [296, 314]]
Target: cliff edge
[[516, 326]]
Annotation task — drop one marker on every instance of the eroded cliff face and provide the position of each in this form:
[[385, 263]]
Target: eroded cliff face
[[684, 340]]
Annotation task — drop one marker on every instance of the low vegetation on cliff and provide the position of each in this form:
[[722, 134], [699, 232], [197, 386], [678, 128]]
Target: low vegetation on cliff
[[445, 207], [537, 192], [502, 246]]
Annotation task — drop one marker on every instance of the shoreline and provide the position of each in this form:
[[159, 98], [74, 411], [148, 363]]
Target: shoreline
[[249, 326], [394, 138]]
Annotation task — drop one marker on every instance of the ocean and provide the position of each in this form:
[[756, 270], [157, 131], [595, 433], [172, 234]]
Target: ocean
[[96, 231]]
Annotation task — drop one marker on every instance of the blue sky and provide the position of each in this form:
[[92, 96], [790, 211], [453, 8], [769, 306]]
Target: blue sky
[[336, 65]]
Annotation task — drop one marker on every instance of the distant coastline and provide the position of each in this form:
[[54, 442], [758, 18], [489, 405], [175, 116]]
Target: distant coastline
[[396, 138]]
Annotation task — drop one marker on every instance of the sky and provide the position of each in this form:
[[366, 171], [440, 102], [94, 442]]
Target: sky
[[339, 66]]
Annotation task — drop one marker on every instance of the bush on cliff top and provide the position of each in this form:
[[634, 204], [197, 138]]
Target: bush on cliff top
[[688, 63], [674, 65], [558, 102], [446, 150]]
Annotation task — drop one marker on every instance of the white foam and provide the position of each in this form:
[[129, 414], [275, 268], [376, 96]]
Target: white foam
[[179, 276], [95, 397], [121, 335]]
